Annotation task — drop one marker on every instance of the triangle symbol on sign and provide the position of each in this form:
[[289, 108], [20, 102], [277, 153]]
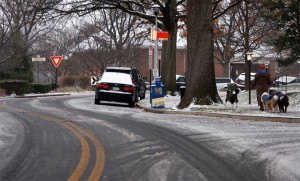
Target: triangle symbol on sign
[[56, 60]]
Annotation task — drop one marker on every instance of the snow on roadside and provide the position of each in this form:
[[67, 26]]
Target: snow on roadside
[[243, 107], [11, 135], [276, 144]]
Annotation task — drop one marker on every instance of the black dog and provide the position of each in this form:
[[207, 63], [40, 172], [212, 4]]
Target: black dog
[[283, 101], [231, 96]]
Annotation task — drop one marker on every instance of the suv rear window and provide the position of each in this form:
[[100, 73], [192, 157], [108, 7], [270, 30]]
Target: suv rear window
[[118, 69]]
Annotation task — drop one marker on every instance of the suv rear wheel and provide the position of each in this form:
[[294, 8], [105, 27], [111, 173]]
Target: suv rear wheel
[[143, 95], [133, 100], [97, 101]]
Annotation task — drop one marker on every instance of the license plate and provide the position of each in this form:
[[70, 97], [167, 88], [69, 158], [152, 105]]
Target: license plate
[[116, 88]]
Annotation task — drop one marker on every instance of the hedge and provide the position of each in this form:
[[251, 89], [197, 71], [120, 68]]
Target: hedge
[[21, 87]]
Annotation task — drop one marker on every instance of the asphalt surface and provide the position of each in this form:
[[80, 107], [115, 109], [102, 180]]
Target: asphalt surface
[[58, 145], [130, 151], [285, 118]]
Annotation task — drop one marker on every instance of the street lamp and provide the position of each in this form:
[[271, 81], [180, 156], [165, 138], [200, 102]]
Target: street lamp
[[249, 58], [156, 8]]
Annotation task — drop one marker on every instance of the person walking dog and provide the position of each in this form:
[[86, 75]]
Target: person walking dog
[[261, 83]]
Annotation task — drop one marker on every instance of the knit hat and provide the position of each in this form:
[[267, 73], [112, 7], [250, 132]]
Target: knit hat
[[262, 67]]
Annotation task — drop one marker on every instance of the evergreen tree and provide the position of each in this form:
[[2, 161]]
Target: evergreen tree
[[285, 15]]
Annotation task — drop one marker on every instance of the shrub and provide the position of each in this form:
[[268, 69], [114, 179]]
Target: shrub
[[85, 82], [67, 81], [41, 88], [75, 81], [2, 92], [19, 87]]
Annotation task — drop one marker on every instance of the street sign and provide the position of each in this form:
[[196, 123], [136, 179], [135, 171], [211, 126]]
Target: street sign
[[159, 35], [39, 59], [56, 60], [153, 34], [155, 72], [162, 35], [94, 80]]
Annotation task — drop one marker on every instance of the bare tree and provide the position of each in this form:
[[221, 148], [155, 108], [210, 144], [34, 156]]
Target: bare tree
[[24, 22], [225, 29], [110, 37], [237, 32], [200, 85], [252, 30], [171, 11]]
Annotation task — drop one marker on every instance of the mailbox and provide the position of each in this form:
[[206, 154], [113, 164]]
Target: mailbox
[[157, 94]]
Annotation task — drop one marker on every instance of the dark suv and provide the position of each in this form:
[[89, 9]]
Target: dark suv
[[180, 81], [136, 76]]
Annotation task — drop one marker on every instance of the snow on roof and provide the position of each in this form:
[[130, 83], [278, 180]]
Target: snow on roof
[[286, 79], [177, 76], [119, 68], [116, 77]]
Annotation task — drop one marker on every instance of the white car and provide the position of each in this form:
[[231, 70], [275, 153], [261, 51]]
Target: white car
[[287, 80], [241, 78], [222, 82]]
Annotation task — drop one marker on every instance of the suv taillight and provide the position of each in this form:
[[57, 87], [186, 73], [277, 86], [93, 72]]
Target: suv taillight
[[128, 88], [103, 86]]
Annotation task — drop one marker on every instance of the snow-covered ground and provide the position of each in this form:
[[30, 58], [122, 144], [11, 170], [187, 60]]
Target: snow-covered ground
[[243, 105], [276, 143]]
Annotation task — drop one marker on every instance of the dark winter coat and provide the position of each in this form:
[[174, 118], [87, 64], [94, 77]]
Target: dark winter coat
[[262, 83]]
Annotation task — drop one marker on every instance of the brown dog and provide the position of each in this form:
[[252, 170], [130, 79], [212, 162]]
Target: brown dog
[[269, 101]]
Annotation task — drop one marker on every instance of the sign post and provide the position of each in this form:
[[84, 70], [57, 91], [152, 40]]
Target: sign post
[[56, 61], [39, 59], [163, 36]]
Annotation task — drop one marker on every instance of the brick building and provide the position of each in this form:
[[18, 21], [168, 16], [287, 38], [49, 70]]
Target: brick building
[[237, 65]]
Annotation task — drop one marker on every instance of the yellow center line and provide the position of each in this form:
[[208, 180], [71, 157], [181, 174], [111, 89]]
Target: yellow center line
[[100, 156], [85, 155]]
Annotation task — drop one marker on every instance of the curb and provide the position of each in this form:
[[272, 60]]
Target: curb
[[43, 95], [224, 115]]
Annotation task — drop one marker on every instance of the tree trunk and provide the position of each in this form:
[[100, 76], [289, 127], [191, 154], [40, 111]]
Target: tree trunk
[[226, 67], [200, 78], [168, 67]]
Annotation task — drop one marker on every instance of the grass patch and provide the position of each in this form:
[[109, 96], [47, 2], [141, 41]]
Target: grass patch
[[220, 109]]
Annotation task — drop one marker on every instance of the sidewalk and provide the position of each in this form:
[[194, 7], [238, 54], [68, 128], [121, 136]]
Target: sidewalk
[[244, 111]]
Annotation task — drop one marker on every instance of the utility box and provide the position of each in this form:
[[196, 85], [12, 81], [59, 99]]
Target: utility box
[[157, 94]]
